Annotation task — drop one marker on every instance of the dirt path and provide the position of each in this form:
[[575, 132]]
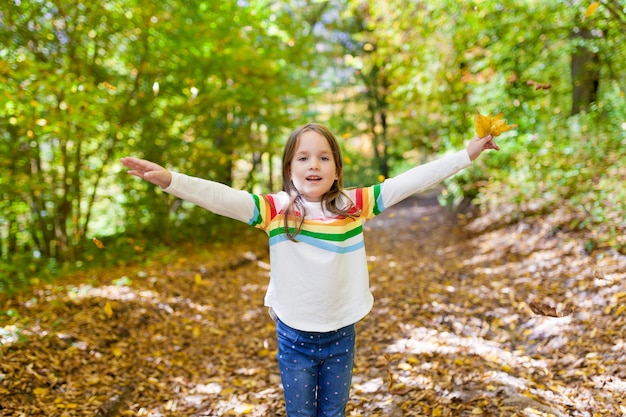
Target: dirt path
[[451, 333]]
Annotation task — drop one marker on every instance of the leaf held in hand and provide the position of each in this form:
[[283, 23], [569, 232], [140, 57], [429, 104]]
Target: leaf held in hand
[[491, 125]]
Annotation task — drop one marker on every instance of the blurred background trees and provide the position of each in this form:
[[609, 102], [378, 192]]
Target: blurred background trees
[[213, 88]]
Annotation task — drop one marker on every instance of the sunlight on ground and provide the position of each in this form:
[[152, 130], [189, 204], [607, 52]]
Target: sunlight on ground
[[423, 340], [9, 334], [215, 400], [511, 371]]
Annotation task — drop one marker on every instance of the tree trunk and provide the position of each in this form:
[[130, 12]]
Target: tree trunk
[[585, 72]]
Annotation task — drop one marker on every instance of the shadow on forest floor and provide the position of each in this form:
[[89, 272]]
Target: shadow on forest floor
[[451, 332]]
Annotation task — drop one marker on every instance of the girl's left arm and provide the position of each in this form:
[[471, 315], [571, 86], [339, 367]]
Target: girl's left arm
[[422, 177], [425, 176]]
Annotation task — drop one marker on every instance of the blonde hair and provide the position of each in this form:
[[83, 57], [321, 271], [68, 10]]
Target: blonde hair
[[332, 201]]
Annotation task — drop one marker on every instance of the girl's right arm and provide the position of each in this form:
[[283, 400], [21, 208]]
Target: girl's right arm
[[148, 171], [213, 196]]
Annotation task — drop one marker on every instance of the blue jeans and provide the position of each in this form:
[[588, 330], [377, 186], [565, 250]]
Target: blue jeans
[[316, 370]]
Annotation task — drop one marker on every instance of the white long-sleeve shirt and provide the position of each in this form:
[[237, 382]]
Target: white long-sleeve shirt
[[319, 283]]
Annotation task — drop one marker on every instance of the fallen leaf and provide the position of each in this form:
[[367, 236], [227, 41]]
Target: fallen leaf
[[196, 332], [108, 310], [550, 308]]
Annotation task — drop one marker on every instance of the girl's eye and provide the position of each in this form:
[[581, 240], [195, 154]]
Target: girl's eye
[[325, 158]]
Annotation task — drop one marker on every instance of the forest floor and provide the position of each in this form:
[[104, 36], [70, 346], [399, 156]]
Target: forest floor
[[473, 317]]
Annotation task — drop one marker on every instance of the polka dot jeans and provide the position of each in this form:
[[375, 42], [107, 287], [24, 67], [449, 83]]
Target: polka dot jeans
[[316, 370]]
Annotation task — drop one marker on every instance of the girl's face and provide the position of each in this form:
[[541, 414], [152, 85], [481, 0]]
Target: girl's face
[[312, 168]]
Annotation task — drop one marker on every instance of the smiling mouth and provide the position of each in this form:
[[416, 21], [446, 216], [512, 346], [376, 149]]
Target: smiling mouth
[[313, 178]]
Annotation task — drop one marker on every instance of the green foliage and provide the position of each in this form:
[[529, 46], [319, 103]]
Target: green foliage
[[192, 85], [446, 60]]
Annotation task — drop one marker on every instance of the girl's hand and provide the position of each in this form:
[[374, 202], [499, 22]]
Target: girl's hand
[[477, 145], [148, 171]]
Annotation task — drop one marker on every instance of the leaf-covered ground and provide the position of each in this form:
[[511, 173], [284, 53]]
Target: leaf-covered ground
[[452, 332]]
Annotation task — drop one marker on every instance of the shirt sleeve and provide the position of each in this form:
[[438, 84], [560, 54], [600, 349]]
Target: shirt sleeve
[[215, 197], [422, 177]]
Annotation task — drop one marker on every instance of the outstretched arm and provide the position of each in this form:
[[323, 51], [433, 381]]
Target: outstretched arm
[[213, 196], [477, 145], [148, 171], [427, 175]]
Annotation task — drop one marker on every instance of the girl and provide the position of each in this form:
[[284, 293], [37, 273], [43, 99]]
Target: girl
[[319, 284]]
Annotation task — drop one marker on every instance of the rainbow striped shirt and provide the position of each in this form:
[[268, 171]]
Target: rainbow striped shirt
[[319, 283]]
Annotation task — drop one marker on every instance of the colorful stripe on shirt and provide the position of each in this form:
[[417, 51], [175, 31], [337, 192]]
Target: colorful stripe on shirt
[[339, 235], [334, 235], [370, 201], [263, 212]]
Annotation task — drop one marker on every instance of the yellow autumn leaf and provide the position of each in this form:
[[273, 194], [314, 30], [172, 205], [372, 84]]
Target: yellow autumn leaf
[[405, 366], [241, 409], [108, 310], [499, 126], [591, 9], [116, 351], [195, 332], [621, 294], [491, 125], [482, 124], [198, 279], [93, 380], [40, 391]]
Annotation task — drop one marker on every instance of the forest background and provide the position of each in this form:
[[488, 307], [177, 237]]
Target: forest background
[[212, 89]]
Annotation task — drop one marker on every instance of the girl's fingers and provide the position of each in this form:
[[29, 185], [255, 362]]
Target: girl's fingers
[[148, 171], [140, 165], [489, 142]]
